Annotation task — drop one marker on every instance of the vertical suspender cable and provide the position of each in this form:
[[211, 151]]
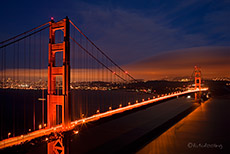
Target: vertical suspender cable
[[29, 82], [13, 80], [73, 76], [43, 76], [2, 98], [39, 77], [34, 124], [17, 83], [81, 78], [24, 81]]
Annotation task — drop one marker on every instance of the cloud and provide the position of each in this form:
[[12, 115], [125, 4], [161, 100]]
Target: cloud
[[217, 25], [178, 37], [214, 62], [128, 34]]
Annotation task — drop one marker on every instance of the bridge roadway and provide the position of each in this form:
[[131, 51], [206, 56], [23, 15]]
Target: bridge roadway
[[38, 133]]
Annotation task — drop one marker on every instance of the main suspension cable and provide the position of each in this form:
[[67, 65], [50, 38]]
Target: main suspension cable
[[24, 33], [102, 51], [24, 37], [97, 59]]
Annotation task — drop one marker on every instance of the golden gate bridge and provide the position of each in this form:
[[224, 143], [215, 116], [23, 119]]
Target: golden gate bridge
[[75, 64]]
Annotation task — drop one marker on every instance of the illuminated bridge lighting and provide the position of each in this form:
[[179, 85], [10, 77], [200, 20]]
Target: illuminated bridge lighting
[[47, 131]]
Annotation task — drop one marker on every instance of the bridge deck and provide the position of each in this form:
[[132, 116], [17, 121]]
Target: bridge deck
[[120, 133], [19, 139]]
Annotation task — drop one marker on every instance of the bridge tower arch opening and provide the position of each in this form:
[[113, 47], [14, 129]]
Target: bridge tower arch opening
[[54, 98]]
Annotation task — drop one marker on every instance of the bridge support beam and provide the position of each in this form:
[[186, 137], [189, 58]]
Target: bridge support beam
[[54, 99]]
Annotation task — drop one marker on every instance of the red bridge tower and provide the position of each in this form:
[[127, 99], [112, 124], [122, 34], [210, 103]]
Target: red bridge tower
[[53, 99], [197, 73]]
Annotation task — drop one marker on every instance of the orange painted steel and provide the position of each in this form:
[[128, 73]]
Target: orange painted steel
[[54, 99], [197, 73], [56, 147]]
